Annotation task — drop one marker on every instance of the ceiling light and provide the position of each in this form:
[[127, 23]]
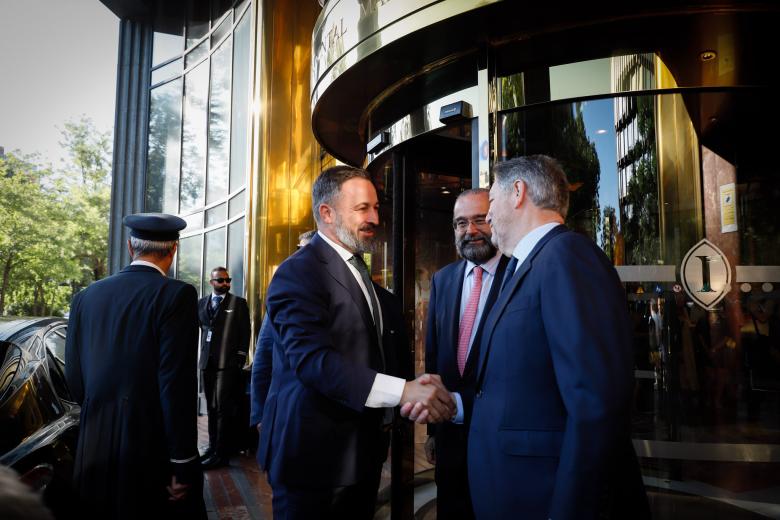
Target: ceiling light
[[708, 55]]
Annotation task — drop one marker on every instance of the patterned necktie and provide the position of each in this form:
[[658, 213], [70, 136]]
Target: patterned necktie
[[362, 268], [468, 319], [215, 301], [509, 273]]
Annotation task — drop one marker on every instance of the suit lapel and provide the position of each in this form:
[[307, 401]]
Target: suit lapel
[[506, 295], [495, 288], [453, 294], [338, 270]]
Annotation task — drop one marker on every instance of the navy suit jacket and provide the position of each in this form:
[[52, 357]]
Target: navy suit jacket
[[130, 363], [261, 372], [230, 332], [549, 435], [317, 430], [441, 353]]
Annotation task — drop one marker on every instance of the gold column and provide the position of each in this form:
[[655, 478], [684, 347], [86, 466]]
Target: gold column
[[284, 153]]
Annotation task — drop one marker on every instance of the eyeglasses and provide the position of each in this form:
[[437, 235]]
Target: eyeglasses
[[221, 280], [461, 224]]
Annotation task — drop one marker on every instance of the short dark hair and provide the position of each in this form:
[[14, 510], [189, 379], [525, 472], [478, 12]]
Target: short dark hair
[[218, 268], [327, 186], [472, 191], [544, 179]]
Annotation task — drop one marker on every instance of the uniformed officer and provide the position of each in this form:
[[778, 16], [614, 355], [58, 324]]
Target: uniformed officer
[[131, 366]]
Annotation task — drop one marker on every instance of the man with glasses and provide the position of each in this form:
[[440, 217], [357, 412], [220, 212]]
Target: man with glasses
[[224, 340], [462, 294]]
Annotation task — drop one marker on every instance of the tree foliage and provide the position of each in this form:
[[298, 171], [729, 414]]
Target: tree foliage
[[54, 223]]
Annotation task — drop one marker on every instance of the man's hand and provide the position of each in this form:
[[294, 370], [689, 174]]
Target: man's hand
[[430, 450], [176, 490], [426, 400]]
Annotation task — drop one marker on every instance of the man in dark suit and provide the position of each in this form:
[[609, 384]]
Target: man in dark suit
[[131, 365], [339, 344], [462, 294], [549, 433], [224, 341], [263, 361]]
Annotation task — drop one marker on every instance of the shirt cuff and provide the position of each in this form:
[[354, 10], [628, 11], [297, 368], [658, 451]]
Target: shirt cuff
[[458, 419], [386, 391]]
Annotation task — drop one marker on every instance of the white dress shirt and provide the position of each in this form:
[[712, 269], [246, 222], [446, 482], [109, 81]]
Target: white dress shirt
[[387, 390], [529, 241], [148, 264]]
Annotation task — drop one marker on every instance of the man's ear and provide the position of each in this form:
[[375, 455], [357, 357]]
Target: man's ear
[[326, 213], [129, 249], [520, 192]]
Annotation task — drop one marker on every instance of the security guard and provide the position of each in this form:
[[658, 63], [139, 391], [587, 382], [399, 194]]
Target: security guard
[[131, 366], [224, 341]]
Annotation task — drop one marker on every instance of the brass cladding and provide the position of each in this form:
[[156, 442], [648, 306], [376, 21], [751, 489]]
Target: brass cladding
[[285, 158]]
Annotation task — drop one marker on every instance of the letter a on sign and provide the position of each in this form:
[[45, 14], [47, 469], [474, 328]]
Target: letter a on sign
[[706, 274]]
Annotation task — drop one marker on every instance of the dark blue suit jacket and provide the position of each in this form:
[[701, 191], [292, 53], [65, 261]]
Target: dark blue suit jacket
[[316, 428], [441, 352], [261, 372], [130, 361], [549, 434]]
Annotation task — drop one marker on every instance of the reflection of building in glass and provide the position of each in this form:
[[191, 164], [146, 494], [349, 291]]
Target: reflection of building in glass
[[629, 73]]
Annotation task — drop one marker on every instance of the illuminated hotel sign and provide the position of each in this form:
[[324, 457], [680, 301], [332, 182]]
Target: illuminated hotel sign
[[706, 274]]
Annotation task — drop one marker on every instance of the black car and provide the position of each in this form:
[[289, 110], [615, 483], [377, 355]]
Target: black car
[[38, 422]]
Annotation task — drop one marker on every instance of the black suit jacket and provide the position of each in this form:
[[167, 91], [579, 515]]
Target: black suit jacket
[[230, 332], [130, 364], [441, 350], [317, 430]]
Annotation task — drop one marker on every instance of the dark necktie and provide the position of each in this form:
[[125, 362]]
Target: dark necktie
[[215, 301], [511, 267], [360, 265]]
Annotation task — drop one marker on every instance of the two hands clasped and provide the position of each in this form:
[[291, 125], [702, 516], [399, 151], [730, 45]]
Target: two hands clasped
[[426, 400]]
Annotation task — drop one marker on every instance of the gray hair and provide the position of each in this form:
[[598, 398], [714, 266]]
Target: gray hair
[[328, 185], [158, 248], [472, 191], [544, 179], [306, 236]]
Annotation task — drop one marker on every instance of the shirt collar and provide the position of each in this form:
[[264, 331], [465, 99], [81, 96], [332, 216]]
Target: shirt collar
[[148, 264], [529, 241], [490, 266], [213, 294], [343, 253]]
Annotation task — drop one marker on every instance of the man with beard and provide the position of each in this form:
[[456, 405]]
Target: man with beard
[[338, 344], [462, 294], [224, 340]]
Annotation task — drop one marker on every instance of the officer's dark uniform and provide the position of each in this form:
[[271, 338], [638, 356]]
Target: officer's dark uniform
[[131, 366]]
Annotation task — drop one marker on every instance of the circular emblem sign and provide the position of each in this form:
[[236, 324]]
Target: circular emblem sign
[[706, 274]]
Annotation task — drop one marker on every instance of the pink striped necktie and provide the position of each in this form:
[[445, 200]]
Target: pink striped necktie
[[468, 319]]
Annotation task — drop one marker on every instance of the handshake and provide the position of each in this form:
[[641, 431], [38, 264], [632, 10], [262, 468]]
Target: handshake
[[426, 400]]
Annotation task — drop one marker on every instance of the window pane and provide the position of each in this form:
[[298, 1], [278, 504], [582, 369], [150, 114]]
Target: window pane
[[197, 20], [236, 204], [236, 255], [219, 123], [193, 162], [215, 215], [168, 71], [189, 253], [196, 54], [238, 163], [215, 254], [162, 167], [166, 46], [194, 221], [224, 27]]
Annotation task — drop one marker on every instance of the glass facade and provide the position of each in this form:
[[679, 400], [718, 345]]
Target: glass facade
[[197, 163]]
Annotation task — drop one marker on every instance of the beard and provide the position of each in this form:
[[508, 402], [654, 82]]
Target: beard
[[352, 240], [476, 252], [221, 289]]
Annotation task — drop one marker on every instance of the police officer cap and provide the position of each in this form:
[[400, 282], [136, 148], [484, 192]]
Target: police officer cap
[[154, 226]]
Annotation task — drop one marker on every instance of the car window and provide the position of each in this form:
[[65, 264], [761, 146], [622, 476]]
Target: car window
[[55, 343]]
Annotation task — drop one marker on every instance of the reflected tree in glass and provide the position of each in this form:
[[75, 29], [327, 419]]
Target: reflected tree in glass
[[219, 124], [193, 161], [162, 166]]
